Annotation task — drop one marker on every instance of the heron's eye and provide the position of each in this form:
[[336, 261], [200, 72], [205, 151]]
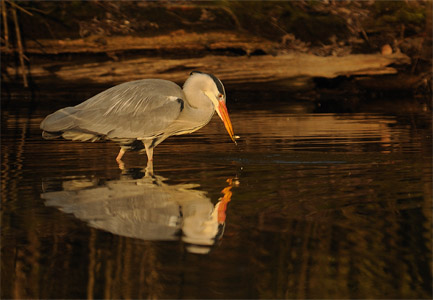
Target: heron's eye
[[220, 95]]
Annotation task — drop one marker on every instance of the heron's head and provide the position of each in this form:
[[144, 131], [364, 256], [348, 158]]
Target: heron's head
[[213, 88]]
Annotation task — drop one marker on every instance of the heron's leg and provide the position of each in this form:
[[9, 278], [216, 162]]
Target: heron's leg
[[119, 159], [120, 155], [149, 152]]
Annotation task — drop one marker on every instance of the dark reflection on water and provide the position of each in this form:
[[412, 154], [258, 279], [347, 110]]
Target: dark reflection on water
[[142, 206], [323, 206]]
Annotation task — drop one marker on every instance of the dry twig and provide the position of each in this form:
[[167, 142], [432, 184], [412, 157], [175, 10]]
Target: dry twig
[[19, 45]]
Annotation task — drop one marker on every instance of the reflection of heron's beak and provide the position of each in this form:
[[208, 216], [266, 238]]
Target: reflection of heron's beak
[[222, 204], [224, 115]]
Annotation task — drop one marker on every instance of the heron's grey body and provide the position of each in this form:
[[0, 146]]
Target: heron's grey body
[[148, 110]]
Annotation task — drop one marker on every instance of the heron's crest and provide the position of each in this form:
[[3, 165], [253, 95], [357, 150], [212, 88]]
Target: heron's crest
[[217, 82]]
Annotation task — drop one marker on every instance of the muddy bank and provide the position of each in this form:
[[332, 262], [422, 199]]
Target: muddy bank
[[236, 59], [294, 46]]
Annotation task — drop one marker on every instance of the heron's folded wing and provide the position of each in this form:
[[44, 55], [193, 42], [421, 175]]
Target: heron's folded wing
[[137, 123], [138, 109]]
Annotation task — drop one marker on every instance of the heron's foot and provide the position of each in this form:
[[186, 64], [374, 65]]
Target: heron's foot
[[149, 168], [121, 164]]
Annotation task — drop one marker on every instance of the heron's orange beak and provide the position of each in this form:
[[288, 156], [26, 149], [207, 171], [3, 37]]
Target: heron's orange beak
[[224, 115]]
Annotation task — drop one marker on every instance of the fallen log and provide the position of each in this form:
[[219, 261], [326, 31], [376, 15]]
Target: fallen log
[[292, 69]]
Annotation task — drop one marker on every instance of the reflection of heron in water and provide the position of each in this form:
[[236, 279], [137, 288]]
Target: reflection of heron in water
[[144, 208]]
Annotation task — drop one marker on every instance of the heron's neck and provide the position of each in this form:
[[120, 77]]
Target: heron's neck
[[193, 90], [199, 109]]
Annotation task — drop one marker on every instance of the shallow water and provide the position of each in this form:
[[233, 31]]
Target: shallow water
[[307, 205]]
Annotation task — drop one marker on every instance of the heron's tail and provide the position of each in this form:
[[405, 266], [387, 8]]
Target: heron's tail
[[63, 123], [51, 135], [61, 120]]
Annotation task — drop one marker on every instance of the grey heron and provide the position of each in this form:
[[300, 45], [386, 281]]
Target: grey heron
[[142, 113]]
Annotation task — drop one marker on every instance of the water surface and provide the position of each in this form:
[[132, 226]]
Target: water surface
[[308, 205]]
